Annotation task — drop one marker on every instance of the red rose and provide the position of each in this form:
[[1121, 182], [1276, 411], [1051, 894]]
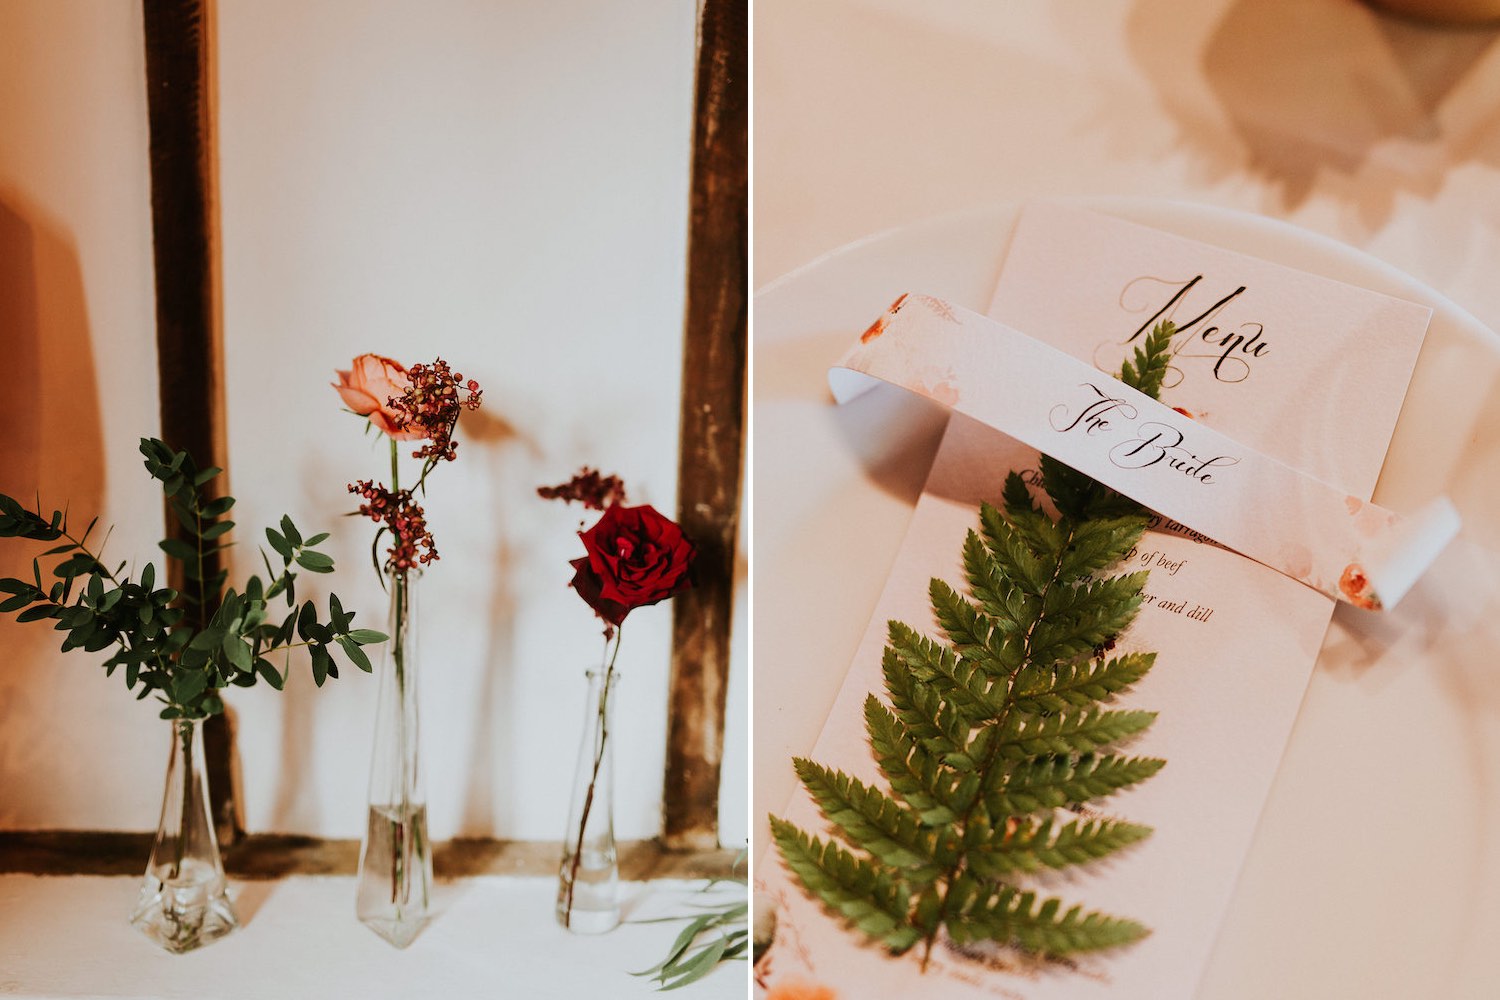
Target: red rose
[[635, 557]]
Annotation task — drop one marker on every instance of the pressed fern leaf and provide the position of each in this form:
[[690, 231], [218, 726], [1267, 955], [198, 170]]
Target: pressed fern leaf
[[998, 730], [869, 895]]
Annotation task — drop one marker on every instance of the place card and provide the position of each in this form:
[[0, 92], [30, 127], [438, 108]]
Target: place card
[[1304, 370]]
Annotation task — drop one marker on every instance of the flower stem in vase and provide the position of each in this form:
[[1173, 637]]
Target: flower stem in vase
[[395, 864], [420, 405], [588, 880]]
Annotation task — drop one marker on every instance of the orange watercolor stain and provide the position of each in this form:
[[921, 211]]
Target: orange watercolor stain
[[798, 989], [878, 327], [1356, 586]]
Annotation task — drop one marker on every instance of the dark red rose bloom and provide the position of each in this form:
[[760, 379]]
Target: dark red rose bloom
[[635, 557]]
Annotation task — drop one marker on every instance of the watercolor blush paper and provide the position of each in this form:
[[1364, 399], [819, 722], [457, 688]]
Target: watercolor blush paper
[[1235, 640], [1158, 455]]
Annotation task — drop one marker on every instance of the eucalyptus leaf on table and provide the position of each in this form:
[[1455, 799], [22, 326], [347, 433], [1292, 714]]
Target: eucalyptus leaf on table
[[993, 738], [147, 625], [719, 933]]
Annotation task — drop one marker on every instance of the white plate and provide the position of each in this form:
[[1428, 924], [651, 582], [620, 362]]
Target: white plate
[[1376, 867]]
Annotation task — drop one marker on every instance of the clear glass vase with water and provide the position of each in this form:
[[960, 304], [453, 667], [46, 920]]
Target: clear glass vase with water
[[395, 859], [183, 903], [588, 884]]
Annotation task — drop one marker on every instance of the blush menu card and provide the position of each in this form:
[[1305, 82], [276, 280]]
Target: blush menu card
[[1305, 370]]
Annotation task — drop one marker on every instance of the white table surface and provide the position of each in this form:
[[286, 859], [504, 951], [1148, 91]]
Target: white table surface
[[1376, 867], [298, 938]]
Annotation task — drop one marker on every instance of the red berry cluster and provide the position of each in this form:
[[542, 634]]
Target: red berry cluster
[[431, 405], [405, 520], [588, 487]]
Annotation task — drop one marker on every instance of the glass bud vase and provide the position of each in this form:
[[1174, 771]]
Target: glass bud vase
[[183, 904], [395, 860], [588, 884]]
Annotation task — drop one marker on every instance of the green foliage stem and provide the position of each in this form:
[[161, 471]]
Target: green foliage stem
[[718, 932], [996, 734], [182, 648]]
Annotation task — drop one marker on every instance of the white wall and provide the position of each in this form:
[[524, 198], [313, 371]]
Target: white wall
[[501, 184], [78, 337]]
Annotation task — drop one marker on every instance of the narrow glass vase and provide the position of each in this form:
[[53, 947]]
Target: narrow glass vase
[[588, 883], [183, 904], [395, 860]]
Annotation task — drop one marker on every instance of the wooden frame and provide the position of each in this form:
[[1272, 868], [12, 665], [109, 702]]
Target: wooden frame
[[189, 348], [180, 75], [274, 855], [713, 419]]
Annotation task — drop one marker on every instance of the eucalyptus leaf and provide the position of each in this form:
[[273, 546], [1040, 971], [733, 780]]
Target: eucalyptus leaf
[[315, 562], [279, 543], [322, 664], [162, 648], [356, 655], [219, 507], [178, 549], [15, 603]]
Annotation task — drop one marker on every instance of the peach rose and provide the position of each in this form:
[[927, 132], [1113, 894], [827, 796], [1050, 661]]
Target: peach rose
[[798, 989], [368, 386]]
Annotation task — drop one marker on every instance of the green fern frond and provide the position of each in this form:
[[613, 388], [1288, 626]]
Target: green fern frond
[[1040, 531], [977, 693], [872, 819], [973, 633], [1053, 782], [869, 897], [1075, 495], [1077, 730], [1010, 609], [1033, 845], [936, 724], [1030, 569], [1082, 619], [1082, 683], [1016, 918], [914, 774], [1151, 360], [1098, 544], [995, 729]]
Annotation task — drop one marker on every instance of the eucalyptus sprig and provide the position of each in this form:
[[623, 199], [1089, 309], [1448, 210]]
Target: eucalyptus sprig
[[162, 651], [718, 933], [995, 736]]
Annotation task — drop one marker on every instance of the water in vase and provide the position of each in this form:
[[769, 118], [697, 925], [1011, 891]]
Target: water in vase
[[595, 892], [395, 873], [185, 911]]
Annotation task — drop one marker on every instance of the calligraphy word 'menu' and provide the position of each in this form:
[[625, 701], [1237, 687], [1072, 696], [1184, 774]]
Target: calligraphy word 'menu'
[[1206, 336]]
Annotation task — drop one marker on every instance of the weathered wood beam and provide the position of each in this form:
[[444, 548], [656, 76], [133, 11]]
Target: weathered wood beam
[[266, 856], [712, 430], [190, 362]]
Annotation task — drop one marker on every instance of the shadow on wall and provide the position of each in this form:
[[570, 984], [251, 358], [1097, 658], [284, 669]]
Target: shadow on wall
[[511, 459], [1324, 90], [490, 794], [52, 442]]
